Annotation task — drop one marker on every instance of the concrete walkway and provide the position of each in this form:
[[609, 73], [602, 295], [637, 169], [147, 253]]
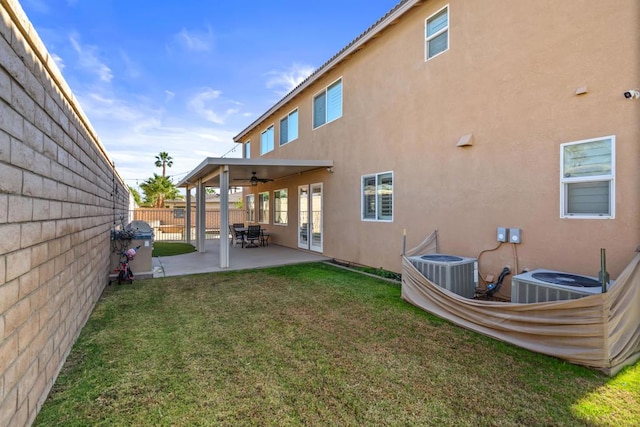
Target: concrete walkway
[[239, 259]]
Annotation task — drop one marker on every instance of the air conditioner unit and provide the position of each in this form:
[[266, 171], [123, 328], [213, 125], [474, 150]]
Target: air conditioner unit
[[454, 273], [542, 285]]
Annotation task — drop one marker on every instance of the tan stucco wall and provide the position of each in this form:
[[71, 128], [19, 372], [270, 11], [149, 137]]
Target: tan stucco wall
[[59, 197], [509, 78]]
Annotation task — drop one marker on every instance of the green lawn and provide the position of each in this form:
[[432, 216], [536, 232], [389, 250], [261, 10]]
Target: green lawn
[[171, 248], [310, 345]]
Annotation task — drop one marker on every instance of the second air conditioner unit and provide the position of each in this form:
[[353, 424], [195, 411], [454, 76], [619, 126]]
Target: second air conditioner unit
[[548, 285], [454, 273]]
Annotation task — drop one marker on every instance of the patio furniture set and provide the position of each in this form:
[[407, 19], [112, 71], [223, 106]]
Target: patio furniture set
[[248, 235]]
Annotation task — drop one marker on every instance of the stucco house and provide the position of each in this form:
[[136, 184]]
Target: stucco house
[[465, 117]]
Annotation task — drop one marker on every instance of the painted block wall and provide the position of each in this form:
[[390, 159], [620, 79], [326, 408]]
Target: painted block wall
[[59, 198]]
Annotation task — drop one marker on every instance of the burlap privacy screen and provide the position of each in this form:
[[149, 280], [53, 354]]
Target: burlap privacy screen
[[600, 331]]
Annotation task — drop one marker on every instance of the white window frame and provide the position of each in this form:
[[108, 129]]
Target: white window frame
[[432, 36], [271, 147], [276, 211], [246, 150], [326, 110], [362, 196], [263, 213], [250, 208], [288, 118], [565, 181]]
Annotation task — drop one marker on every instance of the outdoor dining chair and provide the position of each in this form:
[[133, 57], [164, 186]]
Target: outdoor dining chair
[[236, 235], [252, 235]]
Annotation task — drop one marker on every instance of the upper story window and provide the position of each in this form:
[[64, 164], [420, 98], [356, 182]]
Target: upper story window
[[289, 128], [327, 105], [266, 141], [247, 150], [437, 33], [377, 197], [587, 180]]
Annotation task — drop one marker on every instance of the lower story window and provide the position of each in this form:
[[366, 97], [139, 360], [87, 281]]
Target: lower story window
[[251, 208], [377, 197], [587, 184], [263, 208], [280, 207]]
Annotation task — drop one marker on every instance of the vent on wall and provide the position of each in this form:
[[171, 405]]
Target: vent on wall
[[548, 285], [454, 273]]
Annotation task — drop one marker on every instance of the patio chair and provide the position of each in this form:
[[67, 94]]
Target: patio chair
[[252, 235], [236, 236]]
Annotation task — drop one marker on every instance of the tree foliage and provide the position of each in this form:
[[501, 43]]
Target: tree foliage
[[136, 195], [164, 160], [157, 189]]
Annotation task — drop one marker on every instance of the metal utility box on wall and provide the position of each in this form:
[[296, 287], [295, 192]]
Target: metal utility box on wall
[[515, 235]]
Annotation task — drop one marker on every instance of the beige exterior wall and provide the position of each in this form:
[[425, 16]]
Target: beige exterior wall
[[509, 78], [56, 210]]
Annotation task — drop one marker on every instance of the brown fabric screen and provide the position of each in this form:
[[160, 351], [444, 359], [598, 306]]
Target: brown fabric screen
[[600, 331]]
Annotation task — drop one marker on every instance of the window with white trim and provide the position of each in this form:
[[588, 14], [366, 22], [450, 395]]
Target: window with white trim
[[377, 197], [437, 33], [266, 141], [251, 208], [247, 150], [587, 178], [263, 208], [327, 105], [280, 207], [289, 128]]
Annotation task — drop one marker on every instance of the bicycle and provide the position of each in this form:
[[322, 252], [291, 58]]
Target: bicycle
[[124, 271]]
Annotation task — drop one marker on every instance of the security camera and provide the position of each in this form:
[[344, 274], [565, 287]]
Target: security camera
[[632, 94]]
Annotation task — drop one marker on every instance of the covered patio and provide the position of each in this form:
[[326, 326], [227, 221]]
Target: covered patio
[[241, 259], [223, 173]]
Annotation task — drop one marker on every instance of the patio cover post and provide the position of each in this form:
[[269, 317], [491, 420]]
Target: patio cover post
[[188, 214], [200, 217], [224, 216]]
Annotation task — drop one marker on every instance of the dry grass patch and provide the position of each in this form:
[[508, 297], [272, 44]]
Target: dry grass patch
[[308, 344]]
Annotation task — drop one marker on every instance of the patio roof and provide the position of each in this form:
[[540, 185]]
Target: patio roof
[[241, 170]]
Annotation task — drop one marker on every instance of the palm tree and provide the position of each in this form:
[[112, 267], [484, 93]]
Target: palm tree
[[136, 195], [158, 189], [163, 160]]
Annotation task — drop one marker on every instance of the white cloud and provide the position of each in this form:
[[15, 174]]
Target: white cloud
[[100, 105], [131, 68], [209, 105], [88, 59], [169, 96], [196, 41], [284, 81], [133, 149], [59, 62]]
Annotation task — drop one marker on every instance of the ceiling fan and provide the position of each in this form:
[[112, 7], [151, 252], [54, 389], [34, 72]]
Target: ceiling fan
[[254, 180]]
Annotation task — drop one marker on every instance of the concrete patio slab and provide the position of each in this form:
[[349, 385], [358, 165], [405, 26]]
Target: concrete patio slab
[[240, 259]]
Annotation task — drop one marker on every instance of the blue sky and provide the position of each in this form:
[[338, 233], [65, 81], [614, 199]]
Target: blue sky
[[186, 76]]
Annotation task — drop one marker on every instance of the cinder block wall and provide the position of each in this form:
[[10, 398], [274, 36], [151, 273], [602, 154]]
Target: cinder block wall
[[59, 198]]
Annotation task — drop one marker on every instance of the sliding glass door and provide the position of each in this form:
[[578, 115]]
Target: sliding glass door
[[310, 217]]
